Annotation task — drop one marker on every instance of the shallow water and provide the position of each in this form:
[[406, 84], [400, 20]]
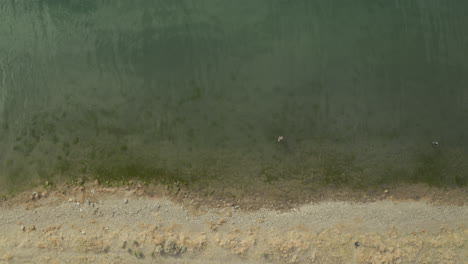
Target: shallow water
[[200, 91]]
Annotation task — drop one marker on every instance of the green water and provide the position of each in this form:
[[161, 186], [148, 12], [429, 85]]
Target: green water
[[200, 91]]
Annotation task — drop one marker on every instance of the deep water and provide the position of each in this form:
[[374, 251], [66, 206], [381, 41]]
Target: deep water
[[200, 91]]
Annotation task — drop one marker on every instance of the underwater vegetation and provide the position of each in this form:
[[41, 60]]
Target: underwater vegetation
[[50, 149]]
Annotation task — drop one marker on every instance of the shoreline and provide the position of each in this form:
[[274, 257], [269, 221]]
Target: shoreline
[[95, 224]]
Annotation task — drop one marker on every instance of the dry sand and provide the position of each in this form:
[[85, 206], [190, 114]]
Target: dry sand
[[104, 225]]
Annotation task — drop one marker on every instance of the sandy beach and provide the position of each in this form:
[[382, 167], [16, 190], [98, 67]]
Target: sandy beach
[[95, 224]]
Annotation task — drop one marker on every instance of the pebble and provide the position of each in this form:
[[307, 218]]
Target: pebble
[[125, 200]]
